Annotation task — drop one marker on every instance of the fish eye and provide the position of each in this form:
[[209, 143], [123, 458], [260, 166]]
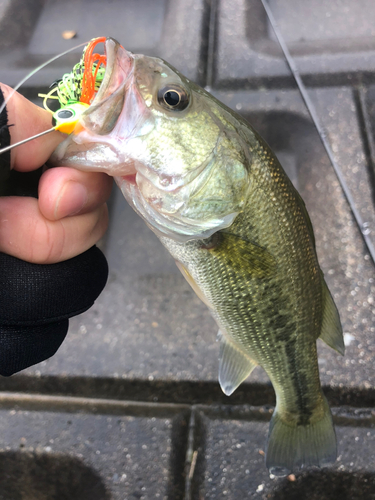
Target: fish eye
[[173, 97]]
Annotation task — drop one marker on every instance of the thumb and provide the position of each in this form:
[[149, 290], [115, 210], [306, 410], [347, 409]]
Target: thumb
[[25, 119]]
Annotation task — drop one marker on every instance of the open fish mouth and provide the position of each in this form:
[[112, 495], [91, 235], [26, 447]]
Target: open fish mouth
[[107, 105], [99, 134]]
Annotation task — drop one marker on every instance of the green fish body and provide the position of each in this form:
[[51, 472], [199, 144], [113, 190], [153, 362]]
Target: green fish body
[[220, 202], [261, 280]]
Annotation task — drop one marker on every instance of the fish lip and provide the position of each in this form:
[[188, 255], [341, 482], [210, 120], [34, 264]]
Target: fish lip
[[113, 49], [103, 113]]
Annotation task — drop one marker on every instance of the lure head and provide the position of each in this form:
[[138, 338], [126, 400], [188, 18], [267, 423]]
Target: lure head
[[176, 153], [66, 118]]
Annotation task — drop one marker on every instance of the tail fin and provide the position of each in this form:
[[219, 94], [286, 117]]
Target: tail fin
[[291, 446]]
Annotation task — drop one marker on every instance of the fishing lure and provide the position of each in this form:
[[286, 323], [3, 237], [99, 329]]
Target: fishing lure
[[75, 91]]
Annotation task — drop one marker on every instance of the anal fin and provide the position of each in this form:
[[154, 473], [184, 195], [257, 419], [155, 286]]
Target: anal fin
[[234, 365], [331, 332]]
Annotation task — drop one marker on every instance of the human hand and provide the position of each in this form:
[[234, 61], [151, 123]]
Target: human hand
[[48, 272], [70, 215]]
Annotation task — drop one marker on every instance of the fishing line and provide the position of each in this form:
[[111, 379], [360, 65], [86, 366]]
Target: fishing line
[[363, 226], [32, 73]]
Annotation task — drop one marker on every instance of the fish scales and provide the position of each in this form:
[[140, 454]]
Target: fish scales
[[274, 317], [214, 193]]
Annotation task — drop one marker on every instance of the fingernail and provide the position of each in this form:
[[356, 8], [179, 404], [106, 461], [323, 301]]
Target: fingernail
[[72, 199]]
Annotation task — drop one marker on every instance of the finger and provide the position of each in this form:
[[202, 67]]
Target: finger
[[26, 234], [65, 191], [25, 119]]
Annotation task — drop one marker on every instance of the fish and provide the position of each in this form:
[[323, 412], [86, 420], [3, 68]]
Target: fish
[[208, 185]]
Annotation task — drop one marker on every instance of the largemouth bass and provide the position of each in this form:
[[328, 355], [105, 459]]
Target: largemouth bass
[[217, 197]]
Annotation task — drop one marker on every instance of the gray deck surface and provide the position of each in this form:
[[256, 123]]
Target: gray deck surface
[[130, 407]]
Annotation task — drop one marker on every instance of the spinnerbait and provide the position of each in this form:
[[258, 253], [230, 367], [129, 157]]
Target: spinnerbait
[[75, 91]]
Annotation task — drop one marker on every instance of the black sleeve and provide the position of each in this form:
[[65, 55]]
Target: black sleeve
[[36, 301]]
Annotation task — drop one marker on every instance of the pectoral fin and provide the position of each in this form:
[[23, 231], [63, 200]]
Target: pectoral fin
[[331, 332], [234, 365], [245, 257]]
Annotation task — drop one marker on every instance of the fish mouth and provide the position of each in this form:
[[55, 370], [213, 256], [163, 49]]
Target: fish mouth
[[95, 143], [104, 112]]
